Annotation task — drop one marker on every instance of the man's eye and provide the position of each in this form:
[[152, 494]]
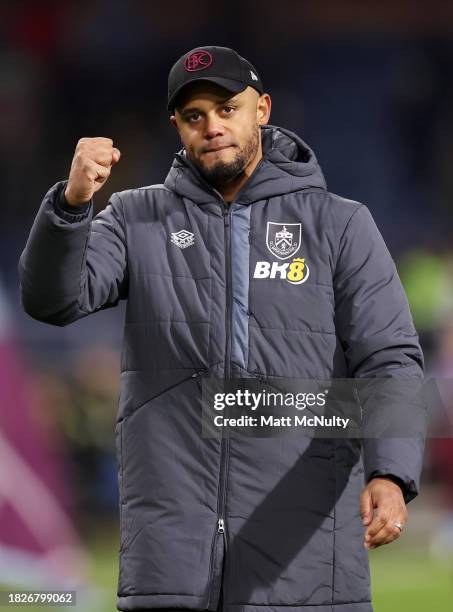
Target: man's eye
[[194, 117], [228, 108]]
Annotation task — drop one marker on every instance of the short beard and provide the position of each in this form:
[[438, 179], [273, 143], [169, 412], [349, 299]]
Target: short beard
[[219, 175]]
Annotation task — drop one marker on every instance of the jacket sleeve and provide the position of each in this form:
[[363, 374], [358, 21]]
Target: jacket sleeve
[[375, 328], [73, 265]]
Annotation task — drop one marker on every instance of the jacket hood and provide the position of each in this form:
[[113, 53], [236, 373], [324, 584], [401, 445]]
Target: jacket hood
[[288, 165]]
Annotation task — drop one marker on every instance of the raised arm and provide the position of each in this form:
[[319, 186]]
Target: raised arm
[[72, 264]]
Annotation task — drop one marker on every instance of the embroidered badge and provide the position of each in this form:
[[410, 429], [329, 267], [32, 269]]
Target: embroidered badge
[[183, 238]]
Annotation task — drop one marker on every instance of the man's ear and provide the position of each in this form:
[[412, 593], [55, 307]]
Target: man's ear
[[263, 109], [173, 121]]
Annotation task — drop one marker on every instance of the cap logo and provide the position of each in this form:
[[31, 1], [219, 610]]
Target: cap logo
[[198, 60], [253, 75]]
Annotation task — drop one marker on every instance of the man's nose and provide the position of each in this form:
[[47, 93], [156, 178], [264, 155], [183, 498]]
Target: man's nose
[[213, 127]]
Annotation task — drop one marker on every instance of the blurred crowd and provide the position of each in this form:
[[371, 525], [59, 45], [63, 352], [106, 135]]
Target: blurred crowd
[[374, 102]]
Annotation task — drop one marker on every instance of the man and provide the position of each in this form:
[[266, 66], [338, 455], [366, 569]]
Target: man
[[241, 264]]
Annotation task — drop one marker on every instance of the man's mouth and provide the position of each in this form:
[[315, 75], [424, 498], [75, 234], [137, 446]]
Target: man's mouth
[[217, 149]]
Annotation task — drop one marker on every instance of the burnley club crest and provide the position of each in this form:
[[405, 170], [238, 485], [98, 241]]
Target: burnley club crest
[[283, 239]]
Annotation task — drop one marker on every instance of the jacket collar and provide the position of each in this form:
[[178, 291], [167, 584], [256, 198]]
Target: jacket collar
[[288, 165]]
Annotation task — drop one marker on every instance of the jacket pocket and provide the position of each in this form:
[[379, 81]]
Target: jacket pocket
[[139, 387]]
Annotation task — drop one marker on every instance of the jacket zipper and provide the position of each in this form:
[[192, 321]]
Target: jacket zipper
[[224, 443], [224, 446], [228, 333]]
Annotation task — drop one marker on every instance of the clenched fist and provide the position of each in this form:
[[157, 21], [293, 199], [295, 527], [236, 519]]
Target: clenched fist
[[90, 168]]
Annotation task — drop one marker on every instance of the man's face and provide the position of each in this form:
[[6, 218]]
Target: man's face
[[220, 130]]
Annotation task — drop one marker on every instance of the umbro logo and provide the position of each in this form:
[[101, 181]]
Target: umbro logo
[[183, 238]]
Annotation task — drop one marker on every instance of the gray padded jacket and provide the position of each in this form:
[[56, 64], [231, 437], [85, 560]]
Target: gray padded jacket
[[272, 522]]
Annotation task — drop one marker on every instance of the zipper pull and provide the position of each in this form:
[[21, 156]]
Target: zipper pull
[[220, 526]]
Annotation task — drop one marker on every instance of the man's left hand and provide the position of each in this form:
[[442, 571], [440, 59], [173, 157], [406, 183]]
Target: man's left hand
[[381, 506]]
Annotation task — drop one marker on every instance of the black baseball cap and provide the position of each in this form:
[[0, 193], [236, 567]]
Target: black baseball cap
[[219, 65]]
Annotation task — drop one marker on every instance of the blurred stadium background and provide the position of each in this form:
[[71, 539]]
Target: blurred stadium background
[[369, 85]]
